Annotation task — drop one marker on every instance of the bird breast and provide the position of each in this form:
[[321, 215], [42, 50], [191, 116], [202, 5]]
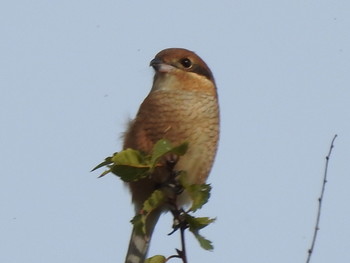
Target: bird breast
[[179, 116]]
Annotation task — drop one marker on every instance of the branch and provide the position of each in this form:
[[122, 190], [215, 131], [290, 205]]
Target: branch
[[181, 224], [320, 199]]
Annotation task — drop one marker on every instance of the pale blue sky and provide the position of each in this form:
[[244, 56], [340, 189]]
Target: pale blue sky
[[73, 72]]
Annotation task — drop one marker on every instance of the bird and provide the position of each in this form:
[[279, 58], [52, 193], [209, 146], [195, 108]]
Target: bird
[[182, 106]]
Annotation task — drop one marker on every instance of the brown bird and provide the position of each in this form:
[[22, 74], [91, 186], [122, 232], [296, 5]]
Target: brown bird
[[182, 106]]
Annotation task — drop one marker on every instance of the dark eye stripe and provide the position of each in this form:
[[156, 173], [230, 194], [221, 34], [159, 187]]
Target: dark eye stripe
[[204, 71]]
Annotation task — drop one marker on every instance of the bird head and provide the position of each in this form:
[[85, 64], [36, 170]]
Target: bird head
[[178, 68]]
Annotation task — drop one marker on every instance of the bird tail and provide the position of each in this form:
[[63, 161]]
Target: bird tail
[[139, 243]]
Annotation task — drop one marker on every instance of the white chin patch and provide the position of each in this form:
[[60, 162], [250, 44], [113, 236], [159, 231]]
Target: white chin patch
[[165, 68]]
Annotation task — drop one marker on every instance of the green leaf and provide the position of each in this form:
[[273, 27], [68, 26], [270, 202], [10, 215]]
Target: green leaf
[[197, 223], [181, 149], [104, 173], [130, 173], [107, 161], [163, 147], [156, 259], [204, 243], [129, 157], [199, 194], [130, 165], [156, 199]]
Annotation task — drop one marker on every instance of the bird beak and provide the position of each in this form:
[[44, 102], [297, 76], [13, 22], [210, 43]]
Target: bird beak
[[160, 66]]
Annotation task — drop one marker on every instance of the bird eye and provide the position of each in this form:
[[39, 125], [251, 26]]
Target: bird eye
[[187, 63]]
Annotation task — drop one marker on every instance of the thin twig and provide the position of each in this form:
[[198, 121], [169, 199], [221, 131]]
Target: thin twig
[[179, 223], [183, 252], [320, 199]]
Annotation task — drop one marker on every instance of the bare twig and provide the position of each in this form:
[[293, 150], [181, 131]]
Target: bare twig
[[179, 220], [320, 199], [179, 224], [183, 251]]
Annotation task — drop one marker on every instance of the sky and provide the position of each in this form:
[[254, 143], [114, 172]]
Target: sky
[[72, 73]]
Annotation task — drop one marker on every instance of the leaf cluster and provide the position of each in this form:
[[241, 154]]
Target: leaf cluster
[[132, 165]]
